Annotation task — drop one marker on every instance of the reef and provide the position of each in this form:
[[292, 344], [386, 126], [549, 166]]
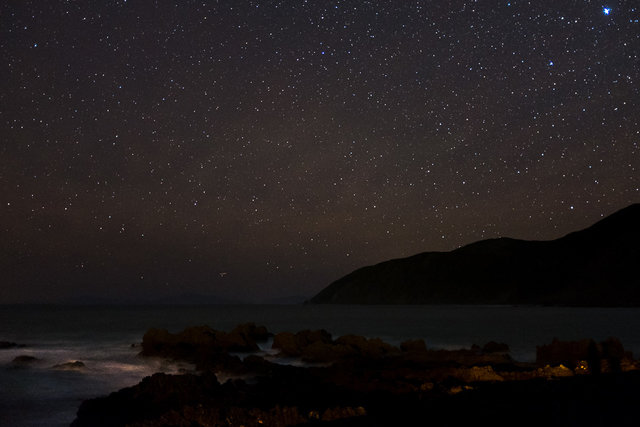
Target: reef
[[359, 381]]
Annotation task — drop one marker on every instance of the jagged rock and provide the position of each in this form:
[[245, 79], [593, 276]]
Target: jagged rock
[[566, 352], [287, 344], [584, 356], [554, 371], [366, 380], [293, 345], [204, 346], [252, 332]]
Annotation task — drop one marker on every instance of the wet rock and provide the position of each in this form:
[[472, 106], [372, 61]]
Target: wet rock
[[24, 360], [70, 366], [252, 332], [293, 345], [202, 343]]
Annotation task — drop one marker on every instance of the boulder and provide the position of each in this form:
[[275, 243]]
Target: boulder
[[24, 360], [287, 344], [252, 332], [294, 345], [371, 348]]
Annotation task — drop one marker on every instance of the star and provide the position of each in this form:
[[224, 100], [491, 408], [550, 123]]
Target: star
[[606, 10]]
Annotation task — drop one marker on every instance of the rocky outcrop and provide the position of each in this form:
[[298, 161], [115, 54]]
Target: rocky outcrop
[[7, 344], [24, 360], [206, 347], [294, 345], [585, 356], [319, 347], [363, 381]]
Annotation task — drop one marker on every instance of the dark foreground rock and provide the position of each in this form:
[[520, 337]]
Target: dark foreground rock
[[24, 360], [7, 344], [371, 383]]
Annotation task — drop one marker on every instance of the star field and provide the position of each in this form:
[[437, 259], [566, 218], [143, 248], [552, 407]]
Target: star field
[[257, 149]]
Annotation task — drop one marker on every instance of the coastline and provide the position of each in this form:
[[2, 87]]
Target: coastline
[[353, 380]]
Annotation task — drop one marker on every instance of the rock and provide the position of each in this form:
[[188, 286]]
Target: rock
[[194, 343], [495, 347], [294, 344], [339, 413], [585, 356], [148, 400], [321, 352], [252, 332], [413, 346], [477, 373], [6, 345], [308, 337], [70, 366], [554, 372], [372, 348], [24, 360], [566, 352], [287, 344], [367, 379]]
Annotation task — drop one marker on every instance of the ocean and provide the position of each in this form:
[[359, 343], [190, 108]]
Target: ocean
[[106, 340]]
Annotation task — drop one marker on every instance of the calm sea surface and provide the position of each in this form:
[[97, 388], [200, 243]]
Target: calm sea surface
[[102, 338]]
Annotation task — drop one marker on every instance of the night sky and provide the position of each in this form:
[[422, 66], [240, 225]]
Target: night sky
[[262, 149]]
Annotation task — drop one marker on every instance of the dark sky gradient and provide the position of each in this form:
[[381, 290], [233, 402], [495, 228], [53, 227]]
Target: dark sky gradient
[[149, 146]]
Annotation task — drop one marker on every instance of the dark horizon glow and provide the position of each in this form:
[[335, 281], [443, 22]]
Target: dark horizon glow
[[256, 150]]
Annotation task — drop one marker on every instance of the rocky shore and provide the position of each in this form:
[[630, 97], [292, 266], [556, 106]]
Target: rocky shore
[[357, 381]]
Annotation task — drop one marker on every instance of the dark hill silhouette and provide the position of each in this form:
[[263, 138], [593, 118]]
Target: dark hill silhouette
[[597, 266]]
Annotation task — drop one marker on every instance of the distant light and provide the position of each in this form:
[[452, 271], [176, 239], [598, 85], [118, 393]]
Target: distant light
[[551, 63], [606, 10]]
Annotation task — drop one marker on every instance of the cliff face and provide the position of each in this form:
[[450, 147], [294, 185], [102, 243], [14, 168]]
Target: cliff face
[[597, 266]]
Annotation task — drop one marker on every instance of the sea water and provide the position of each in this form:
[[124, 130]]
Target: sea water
[[106, 340]]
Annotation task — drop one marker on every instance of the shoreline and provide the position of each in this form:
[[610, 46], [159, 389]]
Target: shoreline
[[352, 380]]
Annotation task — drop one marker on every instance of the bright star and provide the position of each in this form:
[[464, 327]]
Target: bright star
[[606, 10]]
